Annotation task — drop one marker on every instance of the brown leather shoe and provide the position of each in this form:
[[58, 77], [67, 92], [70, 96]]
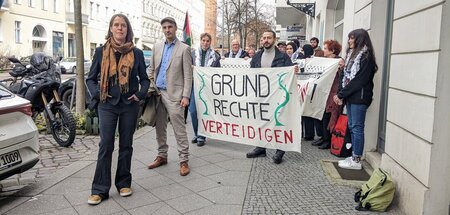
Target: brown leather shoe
[[184, 168], [159, 161]]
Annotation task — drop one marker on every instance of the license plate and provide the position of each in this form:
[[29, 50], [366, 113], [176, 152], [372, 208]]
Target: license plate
[[10, 159]]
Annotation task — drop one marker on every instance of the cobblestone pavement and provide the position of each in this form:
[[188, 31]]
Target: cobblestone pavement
[[297, 186], [222, 181], [52, 157]]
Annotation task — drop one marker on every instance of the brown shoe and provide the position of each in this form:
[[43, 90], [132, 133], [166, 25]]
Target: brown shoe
[[159, 161], [184, 168]]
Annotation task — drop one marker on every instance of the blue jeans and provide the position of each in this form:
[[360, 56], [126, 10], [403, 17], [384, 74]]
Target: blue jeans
[[193, 111], [356, 118]]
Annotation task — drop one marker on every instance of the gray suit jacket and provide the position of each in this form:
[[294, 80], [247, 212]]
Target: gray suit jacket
[[179, 71]]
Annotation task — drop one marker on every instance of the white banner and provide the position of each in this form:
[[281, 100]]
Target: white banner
[[235, 63], [258, 107], [314, 85]]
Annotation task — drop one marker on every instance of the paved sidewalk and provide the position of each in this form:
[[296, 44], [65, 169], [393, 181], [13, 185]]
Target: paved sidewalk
[[52, 158], [222, 181]]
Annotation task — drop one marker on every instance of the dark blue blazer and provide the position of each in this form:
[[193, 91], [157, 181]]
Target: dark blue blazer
[[138, 77]]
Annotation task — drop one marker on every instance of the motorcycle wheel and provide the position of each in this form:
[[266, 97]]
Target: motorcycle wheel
[[66, 96], [64, 127]]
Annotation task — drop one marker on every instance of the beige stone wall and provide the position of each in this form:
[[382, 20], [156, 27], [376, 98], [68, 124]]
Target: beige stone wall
[[416, 139], [414, 156]]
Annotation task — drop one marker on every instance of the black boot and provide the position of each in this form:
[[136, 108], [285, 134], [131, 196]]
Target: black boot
[[325, 145], [317, 142], [257, 152], [278, 156]]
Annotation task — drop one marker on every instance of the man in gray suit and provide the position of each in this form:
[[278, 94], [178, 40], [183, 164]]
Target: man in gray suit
[[171, 71]]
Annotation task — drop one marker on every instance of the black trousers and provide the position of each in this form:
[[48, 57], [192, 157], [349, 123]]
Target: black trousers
[[309, 124], [326, 133], [109, 116], [264, 149]]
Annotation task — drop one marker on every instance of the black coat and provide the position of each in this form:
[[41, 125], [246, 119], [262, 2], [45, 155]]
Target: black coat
[[243, 54], [280, 60], [360, 89], [138, 83]]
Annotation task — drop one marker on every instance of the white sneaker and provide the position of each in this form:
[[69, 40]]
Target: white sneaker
[[350, 164], [345, 160]]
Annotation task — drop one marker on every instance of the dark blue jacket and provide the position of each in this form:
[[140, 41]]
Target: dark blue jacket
[[360, 89], [138, 83], [280, 60]]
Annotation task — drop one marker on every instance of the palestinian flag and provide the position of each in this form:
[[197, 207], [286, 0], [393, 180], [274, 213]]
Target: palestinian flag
[[187, 31]]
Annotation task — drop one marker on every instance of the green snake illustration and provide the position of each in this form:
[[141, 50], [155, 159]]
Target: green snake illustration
[[287, 96], [200, 94]]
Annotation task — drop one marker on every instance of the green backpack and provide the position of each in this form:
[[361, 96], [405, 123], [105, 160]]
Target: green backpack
[[377, 193]]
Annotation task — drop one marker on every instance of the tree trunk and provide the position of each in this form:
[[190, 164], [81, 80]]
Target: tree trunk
[[80, 87], [256, 29]]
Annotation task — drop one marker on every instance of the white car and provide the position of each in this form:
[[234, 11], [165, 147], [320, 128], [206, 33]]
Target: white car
[[69, 65], [19, 143]]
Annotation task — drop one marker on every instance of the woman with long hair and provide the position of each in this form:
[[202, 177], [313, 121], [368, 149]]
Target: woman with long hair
[[356, 91], [114, 84], [331, 49], [291, 51]]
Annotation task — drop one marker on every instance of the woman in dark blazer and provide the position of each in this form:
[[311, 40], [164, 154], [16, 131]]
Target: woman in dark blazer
[[117, 81]]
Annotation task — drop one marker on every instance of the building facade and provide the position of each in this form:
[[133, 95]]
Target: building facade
[[99, 15], [407, 123], [153, 11], [27, 26], [290, 22]]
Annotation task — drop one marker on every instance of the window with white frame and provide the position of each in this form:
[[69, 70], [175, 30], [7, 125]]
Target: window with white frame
[[71, 6], [107, 15], [44, 4], [339, 21], [30, 3], [97, 12], [91, 10], [17, 31], [55, 6], [16, 1]]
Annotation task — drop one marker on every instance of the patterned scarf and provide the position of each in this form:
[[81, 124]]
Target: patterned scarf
[[238, 55], [210, 57], [111, 71], [352, 66]]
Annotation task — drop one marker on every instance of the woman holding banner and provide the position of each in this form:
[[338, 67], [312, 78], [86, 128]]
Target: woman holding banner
[[204, 56], [331, 49], [356, 90]]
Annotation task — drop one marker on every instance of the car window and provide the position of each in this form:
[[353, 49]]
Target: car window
[[69, 60]]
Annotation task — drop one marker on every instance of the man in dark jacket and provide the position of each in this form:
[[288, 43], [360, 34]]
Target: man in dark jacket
[[236, 51], [270, 56]]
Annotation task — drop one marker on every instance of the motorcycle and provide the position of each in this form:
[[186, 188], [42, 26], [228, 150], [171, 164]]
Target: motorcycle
[[39, 82]]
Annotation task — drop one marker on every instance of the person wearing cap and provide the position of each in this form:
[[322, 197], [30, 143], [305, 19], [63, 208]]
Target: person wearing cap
[[171, 73], [282, 47]]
